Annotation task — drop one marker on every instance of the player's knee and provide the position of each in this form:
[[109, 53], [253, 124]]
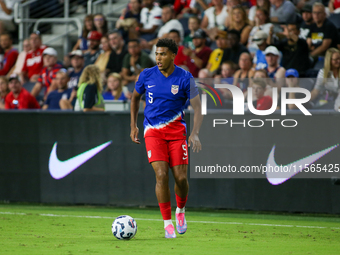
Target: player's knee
[[181, 180], [162, 177]]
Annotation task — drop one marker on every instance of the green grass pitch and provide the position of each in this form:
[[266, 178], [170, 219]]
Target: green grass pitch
[[33, 229]]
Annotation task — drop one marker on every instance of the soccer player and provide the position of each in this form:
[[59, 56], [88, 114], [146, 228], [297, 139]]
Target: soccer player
[[167, 88]]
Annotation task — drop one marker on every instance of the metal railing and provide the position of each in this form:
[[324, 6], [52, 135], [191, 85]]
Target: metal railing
[[22, 17], [92, 6], [65, 35]]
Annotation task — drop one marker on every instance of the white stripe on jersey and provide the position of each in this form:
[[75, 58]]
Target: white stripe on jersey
[[162, 125]]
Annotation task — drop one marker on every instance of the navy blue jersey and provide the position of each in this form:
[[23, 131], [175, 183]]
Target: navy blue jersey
[[165, 101]]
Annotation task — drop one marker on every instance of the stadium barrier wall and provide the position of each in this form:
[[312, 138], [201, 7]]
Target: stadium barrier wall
[[121, 175]]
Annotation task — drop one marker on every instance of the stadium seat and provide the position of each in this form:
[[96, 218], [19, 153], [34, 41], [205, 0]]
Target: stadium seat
[[319, 64], [185, 22], [335, 19], [312, 73], [29, 86], [298, 18], [41, 95]]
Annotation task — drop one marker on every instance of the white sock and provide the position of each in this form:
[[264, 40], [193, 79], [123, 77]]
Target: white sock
[[180, 210], [167, 223]]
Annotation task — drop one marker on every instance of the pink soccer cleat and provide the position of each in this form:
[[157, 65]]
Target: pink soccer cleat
[[170, 231], [181, 223]]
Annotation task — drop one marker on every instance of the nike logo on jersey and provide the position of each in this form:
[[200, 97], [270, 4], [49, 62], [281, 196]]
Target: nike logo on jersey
[[150, 86], [59, 169]]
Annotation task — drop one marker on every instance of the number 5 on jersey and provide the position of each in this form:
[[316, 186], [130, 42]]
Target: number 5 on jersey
[[150, 97], [185, 153]]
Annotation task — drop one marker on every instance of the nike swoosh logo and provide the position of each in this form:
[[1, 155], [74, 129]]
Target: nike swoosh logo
[[59, 169], [276, 178], [151, 86], [184, 158]]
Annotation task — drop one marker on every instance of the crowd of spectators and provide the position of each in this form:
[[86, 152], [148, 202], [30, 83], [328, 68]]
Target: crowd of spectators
[[263, 44]]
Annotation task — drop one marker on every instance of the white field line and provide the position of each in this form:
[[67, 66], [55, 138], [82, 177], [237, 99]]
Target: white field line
[[207, 222]]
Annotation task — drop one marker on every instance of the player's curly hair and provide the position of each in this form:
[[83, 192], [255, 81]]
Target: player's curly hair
[[168, 43]]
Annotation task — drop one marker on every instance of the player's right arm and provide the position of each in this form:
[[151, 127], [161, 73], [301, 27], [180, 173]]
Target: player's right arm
[[198, 118], [195, 102], [135, 100]]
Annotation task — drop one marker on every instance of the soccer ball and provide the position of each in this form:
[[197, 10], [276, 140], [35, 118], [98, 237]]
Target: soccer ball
[[124, 227]]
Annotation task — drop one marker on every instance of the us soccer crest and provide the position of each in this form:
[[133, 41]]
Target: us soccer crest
[[174, 89], [149, 153]]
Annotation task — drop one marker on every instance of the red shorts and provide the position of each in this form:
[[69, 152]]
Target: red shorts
[[175, 152]]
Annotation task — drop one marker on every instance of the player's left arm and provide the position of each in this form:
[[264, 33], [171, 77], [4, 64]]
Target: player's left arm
[[135, 100], [134, 108], [198, 118]]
